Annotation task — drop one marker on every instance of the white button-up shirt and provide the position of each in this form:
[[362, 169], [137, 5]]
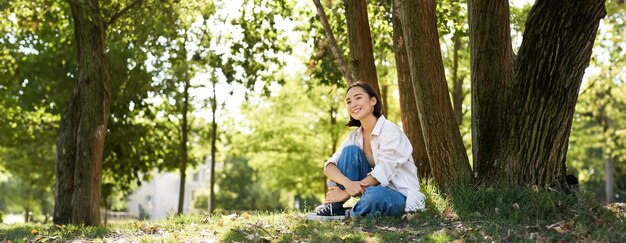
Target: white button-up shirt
[[394, 166]]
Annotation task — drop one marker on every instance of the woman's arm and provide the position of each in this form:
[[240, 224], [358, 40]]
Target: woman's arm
[[352, 187], [369, 181]]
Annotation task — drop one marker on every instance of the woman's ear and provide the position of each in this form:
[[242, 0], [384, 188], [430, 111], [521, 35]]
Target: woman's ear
[[373, 100]]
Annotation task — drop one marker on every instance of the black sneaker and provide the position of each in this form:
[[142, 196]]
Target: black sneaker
[[330, 209]]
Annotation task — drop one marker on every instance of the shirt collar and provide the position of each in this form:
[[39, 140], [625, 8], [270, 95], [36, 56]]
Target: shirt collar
[[379, 125]]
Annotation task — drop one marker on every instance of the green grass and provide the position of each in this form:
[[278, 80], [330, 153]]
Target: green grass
[[472, 214]]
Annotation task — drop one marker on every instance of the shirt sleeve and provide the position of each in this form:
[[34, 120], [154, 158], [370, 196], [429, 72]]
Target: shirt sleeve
[[394, 150]]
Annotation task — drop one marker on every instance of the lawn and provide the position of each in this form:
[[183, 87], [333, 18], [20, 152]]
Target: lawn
[[483, 214]]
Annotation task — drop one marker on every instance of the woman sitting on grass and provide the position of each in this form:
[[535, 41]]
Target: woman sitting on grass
[[374, 162]]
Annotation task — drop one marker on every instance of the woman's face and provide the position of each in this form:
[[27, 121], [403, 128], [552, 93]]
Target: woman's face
[[359, 103]]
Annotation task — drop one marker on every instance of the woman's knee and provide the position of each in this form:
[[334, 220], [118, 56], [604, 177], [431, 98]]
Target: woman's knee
[[351, 149]]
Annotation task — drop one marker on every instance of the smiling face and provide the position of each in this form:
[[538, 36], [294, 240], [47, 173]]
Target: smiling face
[[359, 103]]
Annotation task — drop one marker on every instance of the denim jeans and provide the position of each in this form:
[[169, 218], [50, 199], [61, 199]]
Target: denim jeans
[[376, 200]]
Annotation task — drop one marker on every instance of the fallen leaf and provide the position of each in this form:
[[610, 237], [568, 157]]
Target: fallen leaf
[[515, 206], [534, 235], [449, 213], [296, 216], [230, 216], [560, 223], [387, 228], [535, 188], [559, 230]]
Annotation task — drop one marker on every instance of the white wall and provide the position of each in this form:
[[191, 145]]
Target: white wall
[[159, 197]]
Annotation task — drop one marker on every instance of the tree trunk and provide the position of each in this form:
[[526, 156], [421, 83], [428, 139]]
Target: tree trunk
[[360, 39], [334, 47], [83, 125], [457, 83], [608, 174], [334, 136], [446, 152], [408, 105], [383, 96], [606, 123], [26, 214], [556, 49], [213, 147], [184, 129], [491, 72]]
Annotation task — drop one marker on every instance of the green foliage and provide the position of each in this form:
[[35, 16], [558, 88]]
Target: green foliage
[[322, 66], [240, 188], [599, 125]]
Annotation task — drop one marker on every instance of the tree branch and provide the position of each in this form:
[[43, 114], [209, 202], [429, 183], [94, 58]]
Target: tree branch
[[333, 42], [123, 11]]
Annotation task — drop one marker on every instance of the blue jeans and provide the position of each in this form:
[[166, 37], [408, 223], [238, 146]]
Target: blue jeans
[[376, 200]]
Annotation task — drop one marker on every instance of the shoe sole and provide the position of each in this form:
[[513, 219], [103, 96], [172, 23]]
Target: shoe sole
[[314, 216]]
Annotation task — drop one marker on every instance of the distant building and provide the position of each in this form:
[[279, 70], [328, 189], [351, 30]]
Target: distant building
[[158, 198]]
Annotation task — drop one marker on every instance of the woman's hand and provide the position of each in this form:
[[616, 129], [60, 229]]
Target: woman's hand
[[336, 195], [354, 188], [369, 181]]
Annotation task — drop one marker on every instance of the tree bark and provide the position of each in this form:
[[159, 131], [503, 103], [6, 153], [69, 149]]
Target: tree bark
[[554, 54], [491, 72], [84, 121], [408, 104], [184, 129], [333, 43], [360, 39], [457, 83], [446, 152], [213, 147]]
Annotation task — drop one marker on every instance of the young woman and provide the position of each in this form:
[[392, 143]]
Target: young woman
[[374, 162]]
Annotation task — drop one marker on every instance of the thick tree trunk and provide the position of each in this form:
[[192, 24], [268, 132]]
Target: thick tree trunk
[[446, 152], [184, 129], [83, 125], [334, 47], [213, 148], [491, 71], [360, 39], [408, 105], [556, 49]]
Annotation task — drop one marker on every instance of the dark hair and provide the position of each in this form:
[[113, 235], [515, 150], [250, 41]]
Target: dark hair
[[378, 107]]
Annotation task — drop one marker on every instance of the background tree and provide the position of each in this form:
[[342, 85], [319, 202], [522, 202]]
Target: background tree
[[408, 104], [360, 40], [597, 139], [446, 153]]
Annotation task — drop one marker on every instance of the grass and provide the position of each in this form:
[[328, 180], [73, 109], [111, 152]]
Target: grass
[[471, 214]]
